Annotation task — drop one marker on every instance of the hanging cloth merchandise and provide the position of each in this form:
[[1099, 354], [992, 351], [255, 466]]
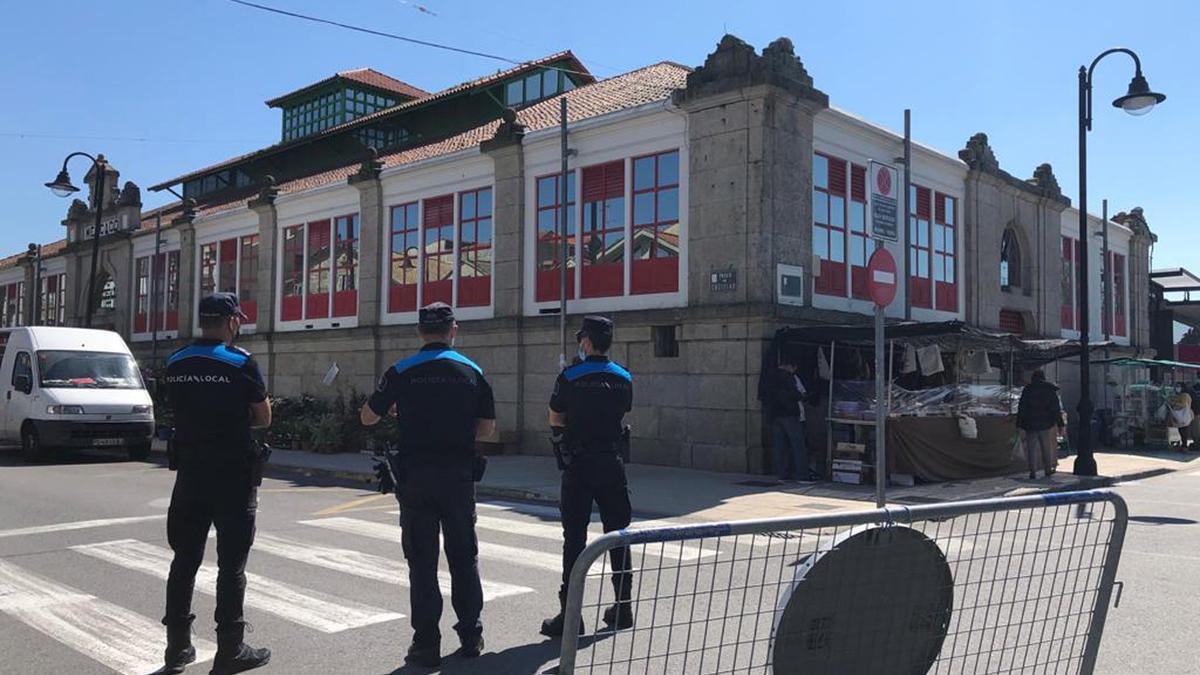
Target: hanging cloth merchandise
[[823, 371], [974, 362], [910, 360], [930, 359]]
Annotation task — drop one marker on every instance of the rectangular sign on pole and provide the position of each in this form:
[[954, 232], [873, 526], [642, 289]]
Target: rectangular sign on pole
[[883, 190]]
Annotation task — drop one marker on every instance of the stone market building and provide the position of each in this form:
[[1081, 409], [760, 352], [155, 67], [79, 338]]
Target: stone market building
[[706, 208]]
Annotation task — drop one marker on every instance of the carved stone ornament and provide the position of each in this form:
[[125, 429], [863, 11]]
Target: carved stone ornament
[[131, 195], [734, 64], [978, 154], [78, 210], [1043, 178]]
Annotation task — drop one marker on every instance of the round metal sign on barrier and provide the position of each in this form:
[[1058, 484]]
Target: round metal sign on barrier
[[877, 601]]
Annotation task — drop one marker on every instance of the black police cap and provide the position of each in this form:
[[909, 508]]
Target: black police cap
[[221, 304], [595, 325], [435, 314]]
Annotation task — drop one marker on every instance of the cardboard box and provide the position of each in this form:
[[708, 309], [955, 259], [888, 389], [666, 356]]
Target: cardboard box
[[850, 449], [851, 465], [853, 478]]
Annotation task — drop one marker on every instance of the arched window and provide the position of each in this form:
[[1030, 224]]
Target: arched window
[[1010, 261]]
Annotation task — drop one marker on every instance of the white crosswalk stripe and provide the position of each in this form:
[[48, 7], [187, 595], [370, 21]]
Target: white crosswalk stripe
[[308, 608], [518, 556], [365, 565], [79, 525], [122, 640], [526, 528]]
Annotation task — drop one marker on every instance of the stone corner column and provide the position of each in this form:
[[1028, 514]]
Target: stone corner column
[[508, 216], [184, 224], [372, 241], [268, 227], [29, 279]]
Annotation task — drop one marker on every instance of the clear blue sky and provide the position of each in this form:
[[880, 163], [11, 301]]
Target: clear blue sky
[[190, 76]]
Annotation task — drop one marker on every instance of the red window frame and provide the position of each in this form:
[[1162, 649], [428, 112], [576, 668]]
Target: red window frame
[[53, 294], [945, 252], [602, 235], [1012, 321], [858, 239], [344, 279], [1067, 287], [475, 247], [171, 306], [208, 269], [291, 303], [318, 269], [248, 277], [548, 255], [829, 224], [1118, 296], [12, 313], [654, 266], [405, 266], [142, 301], [437, 224], [227, 264], [920, 248]]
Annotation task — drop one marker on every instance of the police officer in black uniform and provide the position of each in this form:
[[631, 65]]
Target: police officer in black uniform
[[443, 404], [217, 394], [586, 410]]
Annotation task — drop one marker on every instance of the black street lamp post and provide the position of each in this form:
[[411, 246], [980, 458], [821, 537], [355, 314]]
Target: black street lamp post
[[1138, 100], [61, 186]]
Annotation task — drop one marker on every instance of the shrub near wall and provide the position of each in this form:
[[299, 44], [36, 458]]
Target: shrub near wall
[[325, 425]]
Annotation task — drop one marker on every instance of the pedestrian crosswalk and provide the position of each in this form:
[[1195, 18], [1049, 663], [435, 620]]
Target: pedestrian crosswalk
[[520, 552]]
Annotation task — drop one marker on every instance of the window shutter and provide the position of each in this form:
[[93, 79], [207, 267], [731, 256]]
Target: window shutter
[[858, 183], [837, 177]]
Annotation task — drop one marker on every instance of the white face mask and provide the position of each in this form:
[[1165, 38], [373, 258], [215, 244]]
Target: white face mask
[[582, 356]]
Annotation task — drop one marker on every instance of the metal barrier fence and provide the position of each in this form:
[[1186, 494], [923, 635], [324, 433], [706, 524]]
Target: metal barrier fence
[[1018, 585]]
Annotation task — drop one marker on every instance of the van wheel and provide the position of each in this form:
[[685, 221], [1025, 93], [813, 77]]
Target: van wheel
[[31, 444], [139, 452]]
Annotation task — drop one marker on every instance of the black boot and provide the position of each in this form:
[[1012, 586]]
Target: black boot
[[428, 655], [234, 655], [619, 616], [553, 627], [180, 651]]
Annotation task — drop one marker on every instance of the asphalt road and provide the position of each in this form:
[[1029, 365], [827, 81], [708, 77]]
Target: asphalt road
[[83, 554], [1154, 630]]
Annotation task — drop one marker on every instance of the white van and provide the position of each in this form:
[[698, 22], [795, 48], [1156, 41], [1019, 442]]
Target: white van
[[72, 388]]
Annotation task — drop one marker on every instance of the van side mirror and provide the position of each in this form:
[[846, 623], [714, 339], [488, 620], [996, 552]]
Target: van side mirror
[[23, 383]]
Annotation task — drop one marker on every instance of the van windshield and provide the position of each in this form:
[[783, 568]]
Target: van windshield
[[87, 370]]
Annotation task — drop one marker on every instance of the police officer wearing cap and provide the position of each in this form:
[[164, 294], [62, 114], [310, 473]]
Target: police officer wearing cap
[[443, 405], [586, 410], [217, 394]]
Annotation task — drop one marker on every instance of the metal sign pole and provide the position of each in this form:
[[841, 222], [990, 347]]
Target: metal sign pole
[[880, 412]]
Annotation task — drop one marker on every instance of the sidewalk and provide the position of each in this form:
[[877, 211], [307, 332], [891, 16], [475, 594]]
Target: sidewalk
[[694, 495]]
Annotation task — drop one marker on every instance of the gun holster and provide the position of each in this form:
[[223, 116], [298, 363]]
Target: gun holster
[[478, 467], [562, 455], [624, 446], [259, 454]]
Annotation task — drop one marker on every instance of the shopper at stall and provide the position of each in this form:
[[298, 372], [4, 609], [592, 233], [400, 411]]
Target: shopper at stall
[[785, 407], [1180, 415], [1195, 429], [1039, 414]]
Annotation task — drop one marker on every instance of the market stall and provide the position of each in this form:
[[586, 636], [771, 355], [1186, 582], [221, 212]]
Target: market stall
[[1139, 409], [951, 402]]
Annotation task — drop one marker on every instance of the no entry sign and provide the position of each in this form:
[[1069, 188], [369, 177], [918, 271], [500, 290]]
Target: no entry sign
[[881, 277]]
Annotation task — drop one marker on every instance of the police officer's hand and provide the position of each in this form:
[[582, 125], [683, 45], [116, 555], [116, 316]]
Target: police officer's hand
[[393, 411]]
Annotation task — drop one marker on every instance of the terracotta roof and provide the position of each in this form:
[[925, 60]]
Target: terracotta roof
[[367, 76], [48, 251], [573, 64]]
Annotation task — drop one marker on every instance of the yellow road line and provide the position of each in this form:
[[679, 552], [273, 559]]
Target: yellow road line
[[350, 505]]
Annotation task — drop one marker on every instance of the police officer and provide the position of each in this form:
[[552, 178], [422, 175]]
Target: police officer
[[217, 394], [443, 404], [589, 401]]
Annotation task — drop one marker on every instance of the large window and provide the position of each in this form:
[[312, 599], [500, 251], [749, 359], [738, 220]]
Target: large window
[[655, 264], [1072, 313], [1010, 261], [829, 223], [945, 268], [534, 87], [320, 269], [438, 224], [231, 266], [603, 234], [1118, 295], [858, 239], [406, 249], [53, 307], [549, 240], [331, 109], [475, 248], [160, 311], [920, 213], [12, 311]]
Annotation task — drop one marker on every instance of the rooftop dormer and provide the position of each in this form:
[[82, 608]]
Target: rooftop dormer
[[342, 98]]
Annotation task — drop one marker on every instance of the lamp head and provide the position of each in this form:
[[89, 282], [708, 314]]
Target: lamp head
[[61, 186], [1139, 100]]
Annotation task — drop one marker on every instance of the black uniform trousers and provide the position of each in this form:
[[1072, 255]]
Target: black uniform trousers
[[199, 501], [599, 478], [433, 497]]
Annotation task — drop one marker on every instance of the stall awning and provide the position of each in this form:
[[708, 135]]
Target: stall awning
[[1149, 363]]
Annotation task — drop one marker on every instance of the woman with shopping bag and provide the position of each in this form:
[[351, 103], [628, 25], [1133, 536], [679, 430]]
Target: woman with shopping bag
[[1180, 415]]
